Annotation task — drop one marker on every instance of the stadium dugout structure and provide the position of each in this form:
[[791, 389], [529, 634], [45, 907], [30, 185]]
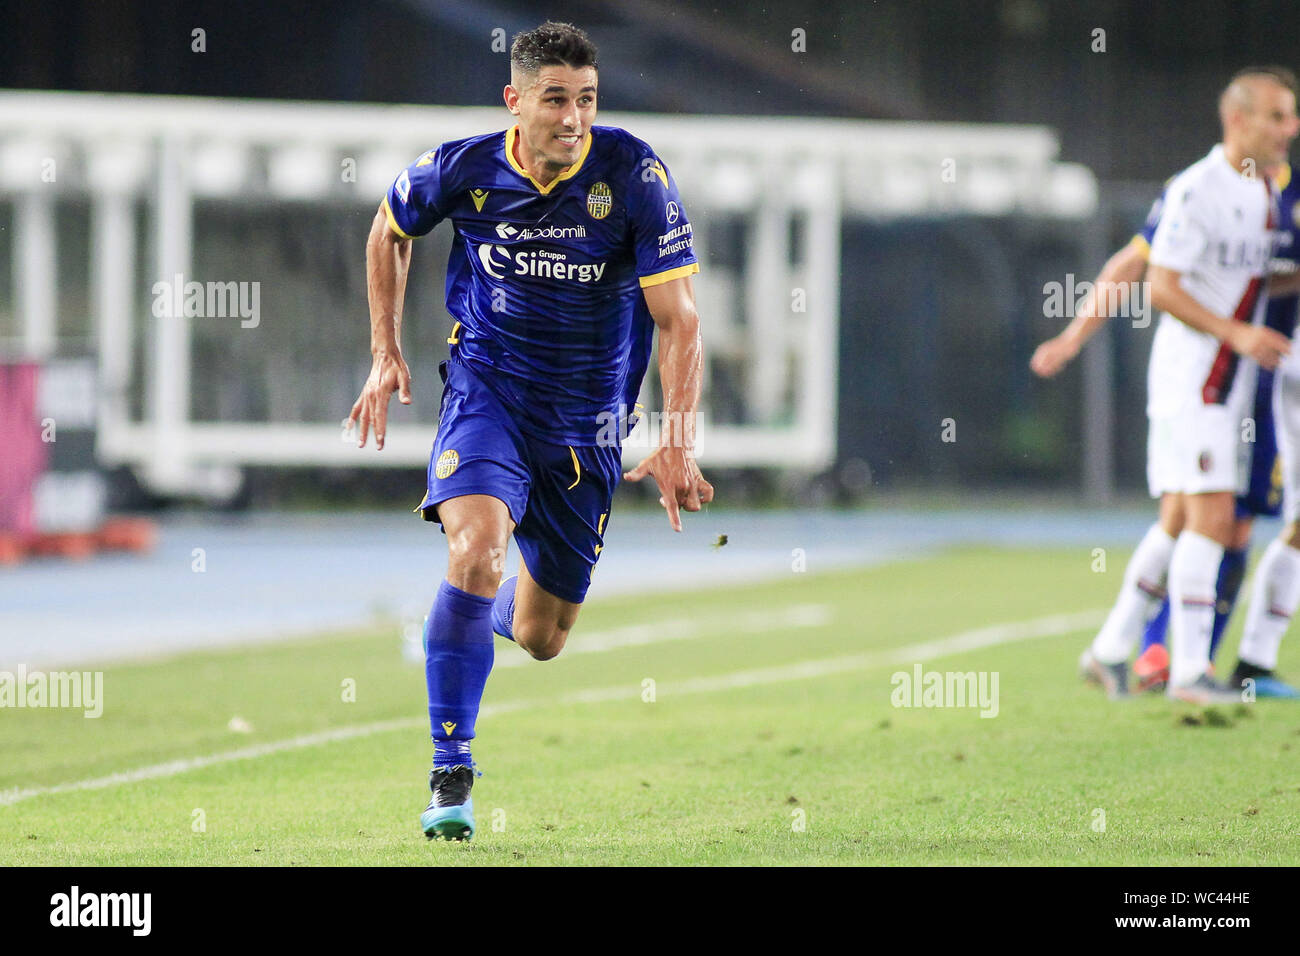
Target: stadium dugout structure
[[771, 309]]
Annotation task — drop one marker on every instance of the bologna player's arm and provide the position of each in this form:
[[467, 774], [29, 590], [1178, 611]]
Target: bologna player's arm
[[1121, 270], [388, 256], [681, 369], [1187, 234], [1257, 342]]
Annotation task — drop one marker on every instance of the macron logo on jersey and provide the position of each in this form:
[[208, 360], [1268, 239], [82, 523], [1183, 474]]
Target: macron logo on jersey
[[538, 264]]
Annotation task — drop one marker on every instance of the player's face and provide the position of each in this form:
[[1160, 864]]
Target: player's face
[[555, 113], [1270, 125]]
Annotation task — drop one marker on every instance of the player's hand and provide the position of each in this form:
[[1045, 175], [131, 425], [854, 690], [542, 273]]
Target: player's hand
[[388, 374], [1266, 346], [680, 483], [1052, 356]]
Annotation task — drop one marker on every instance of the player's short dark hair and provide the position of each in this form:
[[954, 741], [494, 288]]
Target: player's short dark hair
[[552, 44], [1279, 74]]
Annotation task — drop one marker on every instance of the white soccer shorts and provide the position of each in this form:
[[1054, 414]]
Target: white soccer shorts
[[1199, 450]]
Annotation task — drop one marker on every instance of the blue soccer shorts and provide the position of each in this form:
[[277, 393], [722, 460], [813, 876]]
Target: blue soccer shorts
[[559, 495]]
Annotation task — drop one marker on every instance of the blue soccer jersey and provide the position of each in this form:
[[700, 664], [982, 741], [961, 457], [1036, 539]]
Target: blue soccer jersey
[[1282, 309], [544, 282]]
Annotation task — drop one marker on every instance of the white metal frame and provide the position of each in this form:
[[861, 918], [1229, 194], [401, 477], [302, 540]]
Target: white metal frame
[[770, 171]]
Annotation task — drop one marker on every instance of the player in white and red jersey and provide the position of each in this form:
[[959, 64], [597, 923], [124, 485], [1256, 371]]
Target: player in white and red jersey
[[1208, 267]]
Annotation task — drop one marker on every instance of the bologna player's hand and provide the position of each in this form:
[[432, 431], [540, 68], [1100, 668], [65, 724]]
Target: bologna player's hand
[[388, 374], [1052, 356], [680, 483], [1266, 346]]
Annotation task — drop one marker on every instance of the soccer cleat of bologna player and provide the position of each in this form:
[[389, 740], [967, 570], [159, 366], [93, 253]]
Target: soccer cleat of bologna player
[[1112, 678], [571, 246]]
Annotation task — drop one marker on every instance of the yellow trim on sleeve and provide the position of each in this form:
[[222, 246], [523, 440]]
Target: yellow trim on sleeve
[[659, 278], [577, 469], [454, 338], [1141, 243], [392, 223]]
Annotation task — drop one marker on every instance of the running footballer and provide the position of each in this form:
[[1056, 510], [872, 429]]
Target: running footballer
[[571, 247]]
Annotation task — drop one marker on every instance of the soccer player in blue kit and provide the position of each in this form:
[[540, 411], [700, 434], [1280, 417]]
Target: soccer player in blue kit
[[571, 247]]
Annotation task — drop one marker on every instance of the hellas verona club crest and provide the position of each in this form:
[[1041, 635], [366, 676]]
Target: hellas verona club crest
[[599, 201], [447, 463]]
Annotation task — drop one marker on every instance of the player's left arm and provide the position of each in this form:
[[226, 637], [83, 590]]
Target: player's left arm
[[681, 372]]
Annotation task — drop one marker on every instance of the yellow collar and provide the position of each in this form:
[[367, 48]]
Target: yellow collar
[[568, 173]]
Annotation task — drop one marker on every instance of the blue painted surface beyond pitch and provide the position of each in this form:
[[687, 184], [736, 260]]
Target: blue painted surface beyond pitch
[[271, 576]]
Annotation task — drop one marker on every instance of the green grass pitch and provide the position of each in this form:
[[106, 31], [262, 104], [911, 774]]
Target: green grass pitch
[[787, 767]]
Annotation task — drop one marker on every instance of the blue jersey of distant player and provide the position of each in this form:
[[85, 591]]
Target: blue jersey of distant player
[[1264, 495], [544, 282]]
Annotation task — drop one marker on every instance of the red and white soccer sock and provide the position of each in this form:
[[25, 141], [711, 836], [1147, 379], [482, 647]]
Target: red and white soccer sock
[[1193, 573], [1139, 597], [1274, 597]]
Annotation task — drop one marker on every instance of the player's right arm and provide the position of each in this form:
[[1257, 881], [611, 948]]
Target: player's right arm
[[1121, 270], [388, 258], [1257, 342], [414, 205]]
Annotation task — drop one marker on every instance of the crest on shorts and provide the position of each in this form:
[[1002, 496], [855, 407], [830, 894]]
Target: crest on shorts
[[1205, 462], [599, 201], [447, 463]]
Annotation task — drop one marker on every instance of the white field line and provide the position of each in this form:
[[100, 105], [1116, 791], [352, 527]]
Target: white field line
[[1053, 625], [679, 629]]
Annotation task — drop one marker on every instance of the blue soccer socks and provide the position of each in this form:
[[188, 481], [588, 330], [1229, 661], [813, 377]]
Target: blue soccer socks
[[458, 658], [1232, 571], [1157, 628], [503, 608]]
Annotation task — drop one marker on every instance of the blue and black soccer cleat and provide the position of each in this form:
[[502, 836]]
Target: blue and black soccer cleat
[[1266, 682], [450, 814]]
